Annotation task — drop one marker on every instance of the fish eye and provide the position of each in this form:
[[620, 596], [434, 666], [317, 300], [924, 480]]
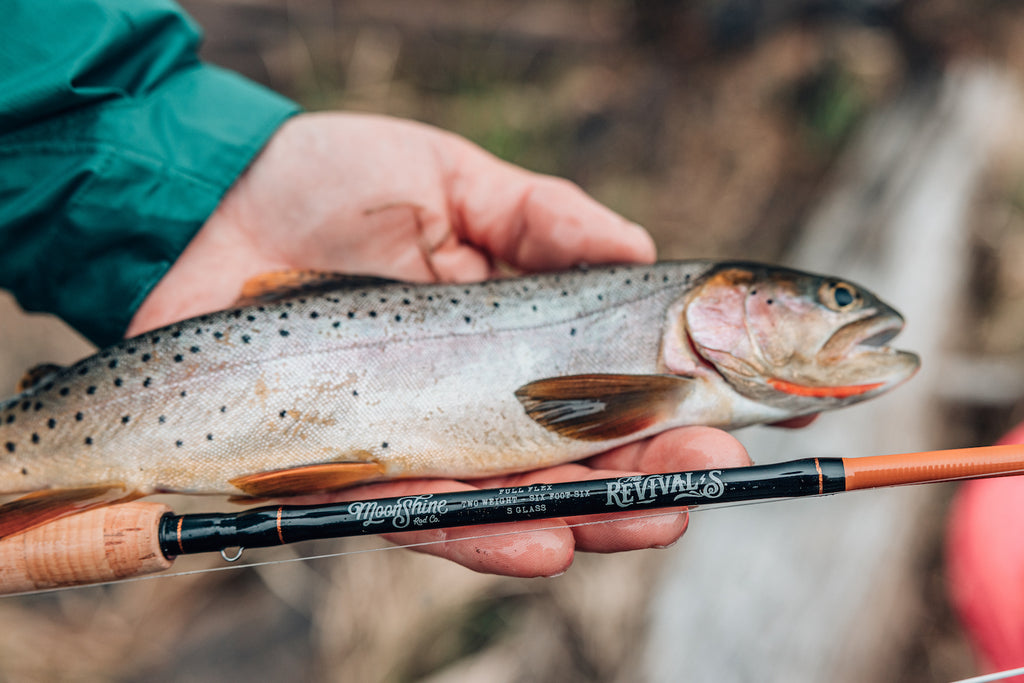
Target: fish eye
[[839, 296]]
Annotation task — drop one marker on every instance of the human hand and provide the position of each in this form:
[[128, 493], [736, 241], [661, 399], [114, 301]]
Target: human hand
[[380, 196]]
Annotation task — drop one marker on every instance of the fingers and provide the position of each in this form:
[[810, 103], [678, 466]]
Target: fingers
[[685, 448], [796, 422], [536, 222]]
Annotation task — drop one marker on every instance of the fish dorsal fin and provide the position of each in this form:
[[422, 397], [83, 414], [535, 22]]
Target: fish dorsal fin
[[40, 507], [36, 374], [281, 284], [298, 481], [603, 407]]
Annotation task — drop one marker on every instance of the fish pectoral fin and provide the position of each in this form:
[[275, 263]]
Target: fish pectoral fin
[[603, 407], [36, 374], [299, 481], [281, 284], [40, 507]]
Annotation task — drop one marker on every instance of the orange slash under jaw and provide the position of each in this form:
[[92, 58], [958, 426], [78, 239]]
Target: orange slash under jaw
[[822, 392]]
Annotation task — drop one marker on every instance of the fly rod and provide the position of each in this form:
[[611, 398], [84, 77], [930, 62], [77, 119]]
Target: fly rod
[[120, 541]]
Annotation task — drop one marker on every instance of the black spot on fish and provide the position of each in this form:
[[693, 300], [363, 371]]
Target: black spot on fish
[[351, 314], [209, 437], [647, 277], [51, 423], [10, 418], [176, 334], [125, 419], [455, 302], [183, 394], [156, 339], [118, 382], [336, 324], [199, 330], [572, 332], [314, 315], [629, 281], [284, 315], [179, 443], [261, 309], [218, 335], [565, 293], [24, 471], [145, 358], [250, 318], [48, 386], [162, 419], [10, 446], [194, 349], [600, 297], [130, 350], [769, 301], [468, 319], [496, 304], [79, 417], [288, 304], [373, 314], [146, 382], [178, 358], [384, 445], [83, 371], [534, 308], [88, 441], [284, 333], [355, 393], [685, 279], [223, 409], [26, 405], [35, 438], [753, 291], [90, 390], [246, 339], [64, 391], [406, 302], [283, 413], [37, 407], [398, 318]]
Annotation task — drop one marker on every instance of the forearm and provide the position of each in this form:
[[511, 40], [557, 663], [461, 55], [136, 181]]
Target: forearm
[[114, 149]]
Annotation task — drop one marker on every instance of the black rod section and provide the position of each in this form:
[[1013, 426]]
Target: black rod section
[[278, 525]]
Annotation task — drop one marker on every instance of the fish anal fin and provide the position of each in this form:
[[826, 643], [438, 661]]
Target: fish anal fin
[[281, 284], [307, 479], [602, 407], [40, 507], [36, 374]]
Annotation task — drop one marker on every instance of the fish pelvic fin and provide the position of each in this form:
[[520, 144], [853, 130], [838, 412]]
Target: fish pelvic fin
[[299, 481], [603, 407], [40, 507], [281, 284]]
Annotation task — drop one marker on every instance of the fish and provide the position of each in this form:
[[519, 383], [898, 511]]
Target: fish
[[320, 382]]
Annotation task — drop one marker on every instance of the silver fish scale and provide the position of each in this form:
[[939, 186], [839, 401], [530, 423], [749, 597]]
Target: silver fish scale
[[417, 377]]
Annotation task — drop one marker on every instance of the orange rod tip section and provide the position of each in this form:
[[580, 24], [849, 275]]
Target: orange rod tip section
[[931, 466]]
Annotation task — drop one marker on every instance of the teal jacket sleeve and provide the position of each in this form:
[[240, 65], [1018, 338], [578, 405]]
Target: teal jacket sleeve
[[116, 143]]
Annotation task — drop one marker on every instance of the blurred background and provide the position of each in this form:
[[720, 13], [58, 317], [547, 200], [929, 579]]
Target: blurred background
[[875, 139]]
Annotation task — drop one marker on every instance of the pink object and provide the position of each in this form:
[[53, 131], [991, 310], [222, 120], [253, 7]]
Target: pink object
[[985, 564]]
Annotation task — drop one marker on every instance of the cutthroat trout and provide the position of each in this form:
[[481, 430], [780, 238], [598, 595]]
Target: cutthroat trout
[[351, 380]]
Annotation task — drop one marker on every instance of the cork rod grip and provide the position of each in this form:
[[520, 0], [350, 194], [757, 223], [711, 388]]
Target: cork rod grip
[[104, 544], [918, 468]]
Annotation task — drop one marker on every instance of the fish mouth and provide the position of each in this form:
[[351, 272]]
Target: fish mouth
[[868, 335]]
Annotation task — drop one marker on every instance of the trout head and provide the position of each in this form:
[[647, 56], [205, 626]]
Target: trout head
[[794, 341]]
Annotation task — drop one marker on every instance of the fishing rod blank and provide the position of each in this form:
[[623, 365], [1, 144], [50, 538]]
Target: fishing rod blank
[[121, 541]]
